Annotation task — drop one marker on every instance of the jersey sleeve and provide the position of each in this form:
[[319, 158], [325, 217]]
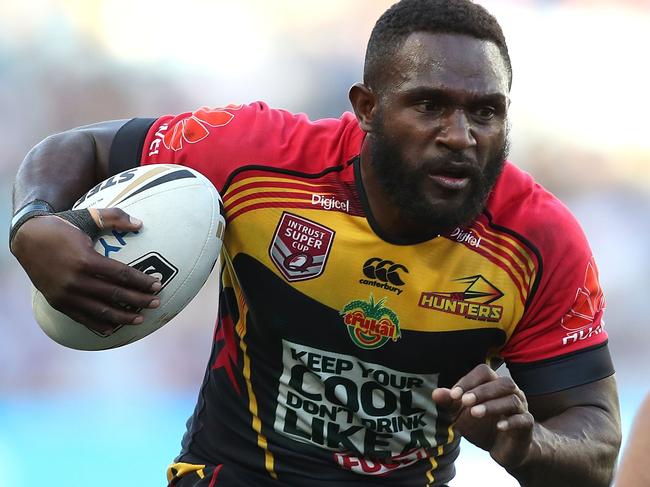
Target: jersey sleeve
[[560, 341], [219, 141]]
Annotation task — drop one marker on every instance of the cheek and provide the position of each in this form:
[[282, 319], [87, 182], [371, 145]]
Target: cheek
[[489, 142]]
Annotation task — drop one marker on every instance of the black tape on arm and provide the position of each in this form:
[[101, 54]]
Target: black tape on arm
[[83, 220]]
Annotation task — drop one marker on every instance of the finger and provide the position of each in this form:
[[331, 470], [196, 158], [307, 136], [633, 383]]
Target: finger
[[123, 275], [120, 296], [517, 421], [499, 387], [95, 311], [115, 219], [477, 376], [502, 406], [102, 328]]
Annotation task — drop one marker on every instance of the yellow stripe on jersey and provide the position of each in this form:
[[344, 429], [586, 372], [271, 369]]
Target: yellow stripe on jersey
[[526, 263], [523, 283], [237, 207], [271, 181], [434, 465], [280, 189], [178, 470], [256, 423]]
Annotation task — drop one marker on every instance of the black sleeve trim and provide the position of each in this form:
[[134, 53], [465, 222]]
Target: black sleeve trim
[[126, 149], [560, 373]]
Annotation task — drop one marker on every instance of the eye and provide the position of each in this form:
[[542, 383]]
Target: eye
[[485, 113], [430, 107]]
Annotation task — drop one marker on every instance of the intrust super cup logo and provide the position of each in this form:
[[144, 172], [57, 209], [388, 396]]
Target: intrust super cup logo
[[370, 324], [300, 247]]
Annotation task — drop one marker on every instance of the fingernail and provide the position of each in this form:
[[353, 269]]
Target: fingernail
[[137, 320], [156, 286], [479, 410], [469, 399], [135, 221], [502, 425], [154, 303], [456, 393]]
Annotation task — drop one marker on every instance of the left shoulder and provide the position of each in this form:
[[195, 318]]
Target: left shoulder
[[523, 207]]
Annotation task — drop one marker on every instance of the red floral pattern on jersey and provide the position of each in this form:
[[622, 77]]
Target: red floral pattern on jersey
[[195, 128], [589, 302]]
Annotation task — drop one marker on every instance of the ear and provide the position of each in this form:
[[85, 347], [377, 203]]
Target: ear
[[363, 102]]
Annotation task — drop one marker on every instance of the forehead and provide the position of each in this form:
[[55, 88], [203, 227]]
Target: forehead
[[449, 62]]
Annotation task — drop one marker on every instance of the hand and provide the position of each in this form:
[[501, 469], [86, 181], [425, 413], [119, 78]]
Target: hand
[[492, 413], [62, 263]]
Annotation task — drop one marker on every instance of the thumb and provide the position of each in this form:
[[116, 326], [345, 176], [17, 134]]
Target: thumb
[[114, 219], [443, 398]]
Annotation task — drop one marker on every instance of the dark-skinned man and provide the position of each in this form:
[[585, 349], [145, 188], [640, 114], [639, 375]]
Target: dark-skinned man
[[377, 269]]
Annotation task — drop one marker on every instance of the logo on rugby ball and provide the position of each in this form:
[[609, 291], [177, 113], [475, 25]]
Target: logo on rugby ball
[[300, 247], [371, 324], [154, 264]]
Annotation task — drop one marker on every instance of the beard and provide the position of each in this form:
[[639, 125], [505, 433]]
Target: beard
[[404, 187]]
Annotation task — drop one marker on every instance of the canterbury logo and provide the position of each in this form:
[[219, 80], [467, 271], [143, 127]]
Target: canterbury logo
[[384, 271]]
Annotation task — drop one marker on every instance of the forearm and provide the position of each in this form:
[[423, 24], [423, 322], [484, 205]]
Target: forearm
[[577, 447]]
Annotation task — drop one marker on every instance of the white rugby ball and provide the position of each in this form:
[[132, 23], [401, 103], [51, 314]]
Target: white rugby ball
[[179, 242]]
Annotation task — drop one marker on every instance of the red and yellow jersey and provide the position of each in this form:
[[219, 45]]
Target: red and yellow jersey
[[330, 336]]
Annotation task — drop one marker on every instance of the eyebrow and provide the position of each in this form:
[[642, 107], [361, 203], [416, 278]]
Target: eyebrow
[[428, 93]]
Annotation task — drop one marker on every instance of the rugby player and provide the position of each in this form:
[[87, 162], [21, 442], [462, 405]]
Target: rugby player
[[378, 268]]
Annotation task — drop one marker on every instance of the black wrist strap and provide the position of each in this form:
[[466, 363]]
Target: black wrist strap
[[30, 210]]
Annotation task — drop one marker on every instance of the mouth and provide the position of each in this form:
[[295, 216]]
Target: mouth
[[450, 182], [451, 178]]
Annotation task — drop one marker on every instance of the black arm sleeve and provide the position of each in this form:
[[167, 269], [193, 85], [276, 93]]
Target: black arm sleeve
[[126, 149], [560, 373]]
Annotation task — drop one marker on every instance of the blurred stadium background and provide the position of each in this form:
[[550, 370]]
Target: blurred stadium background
[[579, 114]]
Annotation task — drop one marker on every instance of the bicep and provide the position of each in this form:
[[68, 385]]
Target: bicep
[[102, 134]]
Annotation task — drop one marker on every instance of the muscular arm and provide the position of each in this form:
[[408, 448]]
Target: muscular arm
[[64, 166], [73, 277], [564, 439], [576, 437]]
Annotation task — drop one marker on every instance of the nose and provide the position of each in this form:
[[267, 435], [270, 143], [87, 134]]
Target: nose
[[456, 132]]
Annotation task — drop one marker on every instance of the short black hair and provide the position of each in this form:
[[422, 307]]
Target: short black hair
[[436, 16]]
